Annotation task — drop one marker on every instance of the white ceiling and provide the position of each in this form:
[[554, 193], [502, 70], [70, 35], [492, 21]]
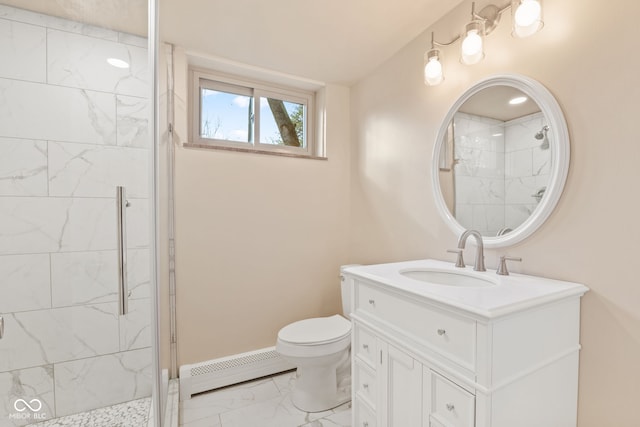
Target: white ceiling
[[338, 41], [493, 102], [335, 41]]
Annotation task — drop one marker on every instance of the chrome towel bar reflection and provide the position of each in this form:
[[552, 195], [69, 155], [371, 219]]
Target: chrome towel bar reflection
[[123, 287]]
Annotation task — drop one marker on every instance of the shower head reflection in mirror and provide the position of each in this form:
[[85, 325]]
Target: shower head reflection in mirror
[[542, 134]]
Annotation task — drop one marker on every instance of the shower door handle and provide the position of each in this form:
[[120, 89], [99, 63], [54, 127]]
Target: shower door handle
[[123, 287]]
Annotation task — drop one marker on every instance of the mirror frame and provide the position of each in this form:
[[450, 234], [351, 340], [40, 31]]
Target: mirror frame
[[560, 153]]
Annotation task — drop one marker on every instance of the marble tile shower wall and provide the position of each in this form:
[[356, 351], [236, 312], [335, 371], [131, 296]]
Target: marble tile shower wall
[[72, 127], [500, 166], [527, 167], [479, 172]]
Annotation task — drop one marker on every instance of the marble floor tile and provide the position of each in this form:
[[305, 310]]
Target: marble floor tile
[[213, 421], [341, 417], [276, 412], [285, 382], [255, 404], [211, 404]]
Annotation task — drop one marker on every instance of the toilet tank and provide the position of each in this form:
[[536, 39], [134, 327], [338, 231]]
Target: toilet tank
[[346, 286]]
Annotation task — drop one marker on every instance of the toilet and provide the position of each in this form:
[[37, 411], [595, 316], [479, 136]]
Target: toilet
[[320, 348]]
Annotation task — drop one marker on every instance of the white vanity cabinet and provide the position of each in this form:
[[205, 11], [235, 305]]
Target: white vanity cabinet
[[419, 361], [389, 390]]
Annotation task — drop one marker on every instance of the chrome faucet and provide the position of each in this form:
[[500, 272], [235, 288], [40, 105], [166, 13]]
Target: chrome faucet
[[479, 266]]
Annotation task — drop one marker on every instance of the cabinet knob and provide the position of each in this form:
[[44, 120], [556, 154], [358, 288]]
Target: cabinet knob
[[450, 407], [372, 301], [441, 332], [365, 424], [365, 346], [365, 386]]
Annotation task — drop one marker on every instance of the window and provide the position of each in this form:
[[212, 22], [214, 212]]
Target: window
[[249, 115]]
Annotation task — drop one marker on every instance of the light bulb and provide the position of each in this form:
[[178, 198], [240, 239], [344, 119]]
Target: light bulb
[[433, 71], [527, 13], [472, 44], [472, 47], [527, 17]]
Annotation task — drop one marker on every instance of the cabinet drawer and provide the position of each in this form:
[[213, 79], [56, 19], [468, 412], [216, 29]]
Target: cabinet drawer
[[446, 333], [451, 405], [365, 345], [365, 384], [364, 417]]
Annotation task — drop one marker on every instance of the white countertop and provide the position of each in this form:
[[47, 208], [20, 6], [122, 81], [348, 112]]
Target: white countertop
[[508, 294]]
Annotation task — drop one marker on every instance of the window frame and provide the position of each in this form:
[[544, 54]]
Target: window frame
[[256, 89]]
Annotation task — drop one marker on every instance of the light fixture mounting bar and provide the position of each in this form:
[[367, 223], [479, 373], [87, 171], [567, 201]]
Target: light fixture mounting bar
[[490, 14], [435, 43]]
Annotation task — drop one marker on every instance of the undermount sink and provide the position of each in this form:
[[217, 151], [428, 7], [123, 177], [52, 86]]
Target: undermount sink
[[447, 278]]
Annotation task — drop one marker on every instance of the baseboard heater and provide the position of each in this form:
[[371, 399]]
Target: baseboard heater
[[216, 373]]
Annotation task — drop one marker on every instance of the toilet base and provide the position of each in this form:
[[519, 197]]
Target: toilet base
[[319, 389]]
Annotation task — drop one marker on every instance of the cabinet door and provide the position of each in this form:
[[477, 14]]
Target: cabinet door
[[446, 404], [401, 389]]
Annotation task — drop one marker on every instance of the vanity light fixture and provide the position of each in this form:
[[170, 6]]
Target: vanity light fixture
[[527, 17], [432, 67], [472, 49], [526, 21]]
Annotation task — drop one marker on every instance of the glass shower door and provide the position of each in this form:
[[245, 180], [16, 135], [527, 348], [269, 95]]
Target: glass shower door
[[74, 126]]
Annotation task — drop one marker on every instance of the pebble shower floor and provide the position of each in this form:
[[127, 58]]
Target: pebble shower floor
[[129, 414]]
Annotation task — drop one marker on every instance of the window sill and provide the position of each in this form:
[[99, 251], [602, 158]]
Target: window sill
[[251, 150]]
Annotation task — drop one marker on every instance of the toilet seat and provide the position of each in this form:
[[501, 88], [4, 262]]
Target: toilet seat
[[316, 331], [315, 338]]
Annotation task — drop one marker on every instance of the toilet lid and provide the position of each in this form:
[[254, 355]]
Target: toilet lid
[[320, 330]]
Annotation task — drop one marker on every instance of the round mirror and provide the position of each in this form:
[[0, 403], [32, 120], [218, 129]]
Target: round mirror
[[501, 159]]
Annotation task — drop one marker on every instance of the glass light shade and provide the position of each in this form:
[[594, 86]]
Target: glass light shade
[[433, 68], [472, 50], [526, 17]]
